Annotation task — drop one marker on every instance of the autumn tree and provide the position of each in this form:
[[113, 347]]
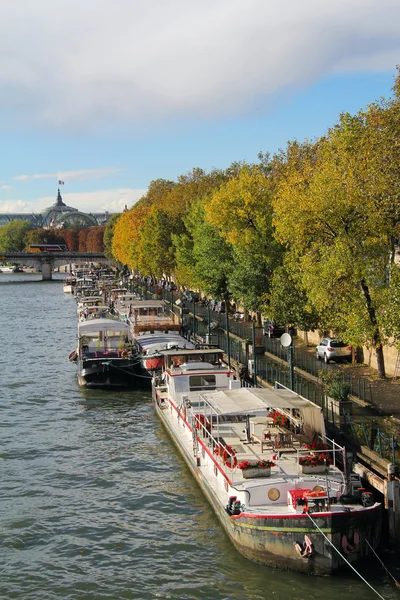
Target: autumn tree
[[336, 209], [71, 238], [94, 239], [82, 238]]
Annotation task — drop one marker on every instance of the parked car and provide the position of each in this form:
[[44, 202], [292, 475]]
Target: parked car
[[333, 349], [191, 296], [221, 307], [271, 329]]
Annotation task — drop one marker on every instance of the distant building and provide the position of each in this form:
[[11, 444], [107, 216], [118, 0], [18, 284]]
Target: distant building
[[59, 215]]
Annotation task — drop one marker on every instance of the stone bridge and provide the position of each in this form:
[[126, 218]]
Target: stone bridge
[[46, 262]]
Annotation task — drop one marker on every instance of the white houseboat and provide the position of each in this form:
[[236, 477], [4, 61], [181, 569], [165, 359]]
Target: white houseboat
[[283, 491], [155, 328]]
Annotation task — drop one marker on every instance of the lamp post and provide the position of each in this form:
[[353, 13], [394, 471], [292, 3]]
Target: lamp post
[[194, 320], [228, 341], [253, 331], [287, 342]]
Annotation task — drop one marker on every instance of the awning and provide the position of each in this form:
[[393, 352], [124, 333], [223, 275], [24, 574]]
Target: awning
[[258, 401], [103, 325]]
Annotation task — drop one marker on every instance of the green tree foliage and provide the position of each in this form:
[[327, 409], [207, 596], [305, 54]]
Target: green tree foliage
[[13, 236], [155, 240], [336, 212], [203, 256], [45, 236], [242, 211], [109, 235], [287, 303]]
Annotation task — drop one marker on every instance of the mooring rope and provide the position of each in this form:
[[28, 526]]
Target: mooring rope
[[344, 558]]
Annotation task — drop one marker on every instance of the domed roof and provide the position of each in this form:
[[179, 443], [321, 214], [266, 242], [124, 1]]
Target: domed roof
[[60, 215]]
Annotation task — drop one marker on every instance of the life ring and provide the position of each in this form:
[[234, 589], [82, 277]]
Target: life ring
[[229, 460]]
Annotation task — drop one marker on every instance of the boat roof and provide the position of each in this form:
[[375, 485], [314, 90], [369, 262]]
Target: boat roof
[[102, 325], [190, 352], [148, 303], [245, 400], [159, 342]]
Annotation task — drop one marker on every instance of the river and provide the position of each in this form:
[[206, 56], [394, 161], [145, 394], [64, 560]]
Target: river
[[95, 503]]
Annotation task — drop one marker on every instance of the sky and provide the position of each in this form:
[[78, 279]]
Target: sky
[[108, 95]]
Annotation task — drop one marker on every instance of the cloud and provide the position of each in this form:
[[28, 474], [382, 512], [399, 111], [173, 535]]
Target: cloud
[[6, 188], [96, 65], [83, 175], [15, 206]]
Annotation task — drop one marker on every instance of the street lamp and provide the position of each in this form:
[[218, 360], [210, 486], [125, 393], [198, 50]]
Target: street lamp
[[287, 342]]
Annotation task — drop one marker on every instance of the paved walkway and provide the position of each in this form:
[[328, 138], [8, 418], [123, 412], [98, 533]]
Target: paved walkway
[[385, 392]]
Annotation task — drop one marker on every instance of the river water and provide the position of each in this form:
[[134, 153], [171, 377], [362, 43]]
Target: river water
[[95, 503]]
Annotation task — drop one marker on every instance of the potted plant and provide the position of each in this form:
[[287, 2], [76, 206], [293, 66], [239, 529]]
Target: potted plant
[[280, 420], [337, 392], [314, 463], [261, 468]]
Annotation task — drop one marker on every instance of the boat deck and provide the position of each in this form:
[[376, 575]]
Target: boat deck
[[248, 441]]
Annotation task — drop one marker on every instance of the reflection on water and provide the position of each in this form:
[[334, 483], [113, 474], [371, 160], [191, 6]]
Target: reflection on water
[[95, 501]]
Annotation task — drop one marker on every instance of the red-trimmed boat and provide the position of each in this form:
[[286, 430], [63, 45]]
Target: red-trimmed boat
[[282, 490]]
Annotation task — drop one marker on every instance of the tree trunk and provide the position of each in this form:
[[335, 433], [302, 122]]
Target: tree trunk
[[259, 322], [376, 336]]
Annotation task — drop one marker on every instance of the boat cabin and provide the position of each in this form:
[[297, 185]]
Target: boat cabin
[[103, 337], [152, 315], [188, 371]]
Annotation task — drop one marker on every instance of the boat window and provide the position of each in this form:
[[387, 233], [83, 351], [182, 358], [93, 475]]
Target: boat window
[[201, 382]]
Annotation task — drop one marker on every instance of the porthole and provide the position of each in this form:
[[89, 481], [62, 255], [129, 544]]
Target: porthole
[[274, 494], [318, 488]]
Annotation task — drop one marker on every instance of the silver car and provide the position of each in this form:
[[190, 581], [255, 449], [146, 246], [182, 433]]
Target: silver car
[[333, 349]]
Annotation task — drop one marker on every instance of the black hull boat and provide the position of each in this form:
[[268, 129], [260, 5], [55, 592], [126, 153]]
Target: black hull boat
[[106, 357]]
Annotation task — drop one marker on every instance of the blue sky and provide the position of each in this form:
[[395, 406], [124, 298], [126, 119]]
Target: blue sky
[[108, 95]]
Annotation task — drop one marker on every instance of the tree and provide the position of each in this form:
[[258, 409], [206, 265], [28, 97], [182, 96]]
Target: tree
[[155, 240], [287, 302], [71, 238], [94, 239], [13, 236], [109, 235], [45, 236], [336, 212], [242, 211], [203, 255]]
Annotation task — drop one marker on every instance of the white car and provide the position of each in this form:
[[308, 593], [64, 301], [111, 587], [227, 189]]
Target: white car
[[333, 349]]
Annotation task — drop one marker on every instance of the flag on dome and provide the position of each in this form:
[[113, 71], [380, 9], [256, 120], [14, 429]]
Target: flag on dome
[[60, 182]]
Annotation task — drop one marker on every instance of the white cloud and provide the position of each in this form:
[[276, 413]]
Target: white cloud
[[82, 175], [6, 188], [15, 206], [96, 201], [95, 65]]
